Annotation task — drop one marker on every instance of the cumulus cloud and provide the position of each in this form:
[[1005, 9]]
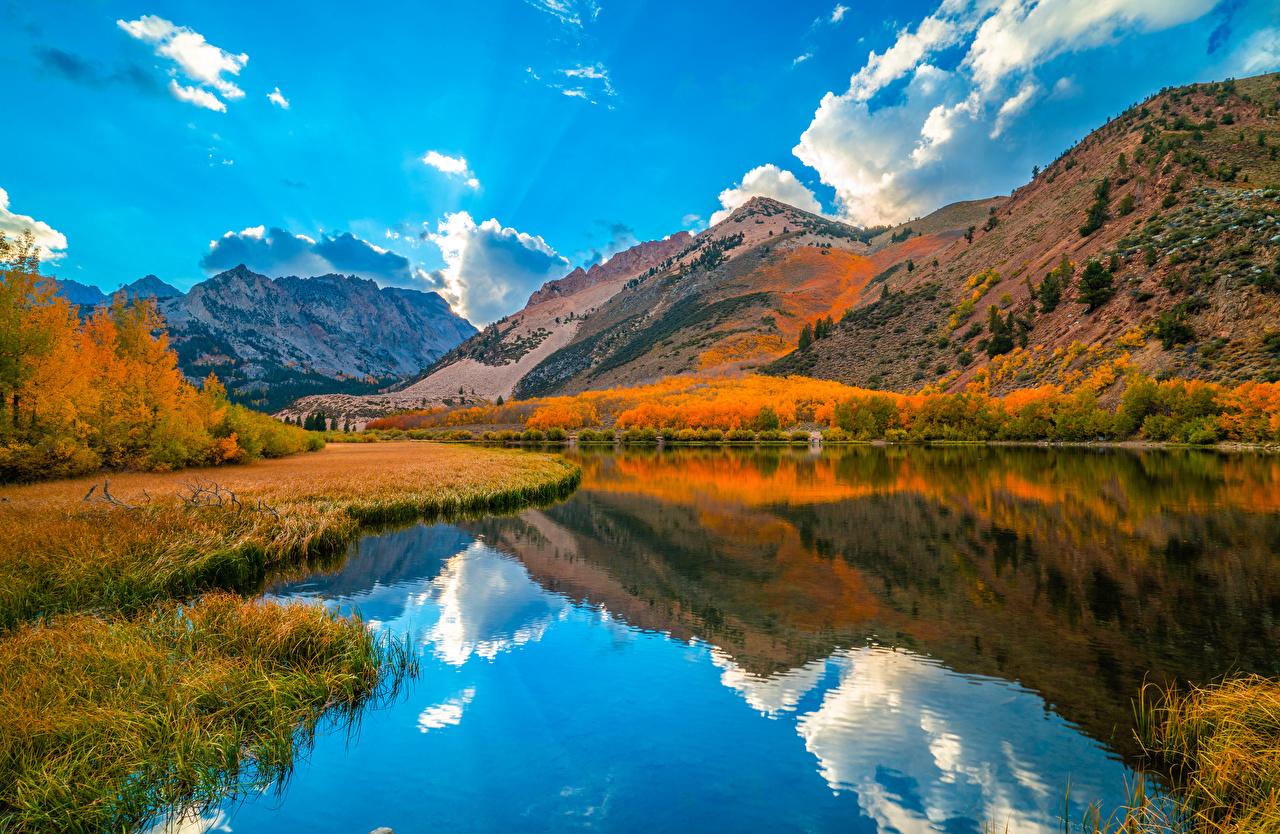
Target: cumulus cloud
[[209, 67], [451, 166], [277, 98], [916, 130], [198, 96], [767, 181], [490, 269], [50, 243], [275, 252]]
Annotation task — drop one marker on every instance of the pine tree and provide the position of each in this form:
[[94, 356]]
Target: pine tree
[[806, 337], [1049, 293], [1001, 329], [1097, 286]]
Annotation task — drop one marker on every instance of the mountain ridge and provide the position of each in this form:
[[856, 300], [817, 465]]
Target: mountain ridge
[[271, 340]]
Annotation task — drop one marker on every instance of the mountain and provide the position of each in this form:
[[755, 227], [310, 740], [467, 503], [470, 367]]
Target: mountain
[[149, 286], [736, 296], [81, 295], [86, 297], [273, 340], [493, 362], [1168, 218], [1176, 200]]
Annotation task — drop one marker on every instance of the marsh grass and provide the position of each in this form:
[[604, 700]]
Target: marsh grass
[[1220, 745], [62, 554], [131, 685], [106, 723], [1219, 748]]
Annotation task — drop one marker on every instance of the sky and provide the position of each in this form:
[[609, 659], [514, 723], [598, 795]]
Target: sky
[[479, 149]]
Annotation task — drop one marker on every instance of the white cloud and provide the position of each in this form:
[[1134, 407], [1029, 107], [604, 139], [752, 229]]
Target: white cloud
[[1065, 87], [490, 269], [593, 72], [451, 166], [1260, 53], [800, 59], [930, 143], [767, 181], [198, 96], [197, 59], [1014, 105], [1019, 36], [277, 98], [50, 243], [568, 12], [838, 13]]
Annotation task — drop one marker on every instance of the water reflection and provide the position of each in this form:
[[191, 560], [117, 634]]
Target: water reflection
[[872, 640]]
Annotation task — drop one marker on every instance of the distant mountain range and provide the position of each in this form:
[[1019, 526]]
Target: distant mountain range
[[1153, 243], [1176, 202], [272, 340]]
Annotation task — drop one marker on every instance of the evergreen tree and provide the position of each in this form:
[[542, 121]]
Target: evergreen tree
[[1001, 329], [1097, 286], [806, 337], [1049, 293], [500, 400]]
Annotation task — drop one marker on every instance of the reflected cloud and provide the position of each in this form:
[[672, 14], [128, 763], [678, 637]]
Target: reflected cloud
[[918, 745], [447, 713], [488, 604], [193, 822], [770, 695]]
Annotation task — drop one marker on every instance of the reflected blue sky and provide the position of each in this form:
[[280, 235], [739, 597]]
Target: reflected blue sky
[[534, 713]]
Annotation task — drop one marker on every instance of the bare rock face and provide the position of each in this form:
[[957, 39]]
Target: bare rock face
[[633, 261], [271, 340]]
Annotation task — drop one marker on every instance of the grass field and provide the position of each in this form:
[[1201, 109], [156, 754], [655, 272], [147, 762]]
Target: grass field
[[63, 553], [132, 683]]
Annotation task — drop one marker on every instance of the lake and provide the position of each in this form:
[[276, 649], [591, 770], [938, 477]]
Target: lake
[[858, 640]]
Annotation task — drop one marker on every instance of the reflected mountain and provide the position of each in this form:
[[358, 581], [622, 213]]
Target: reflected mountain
[[1075, 573]]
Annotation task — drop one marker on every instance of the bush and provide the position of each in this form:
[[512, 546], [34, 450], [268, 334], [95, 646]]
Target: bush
[[771, 436], [532, 436], [800, 437], [740, 436], [835, 435], [556, 434]]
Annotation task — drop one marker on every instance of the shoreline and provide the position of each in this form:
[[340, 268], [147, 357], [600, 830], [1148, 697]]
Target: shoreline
[[131, 631], [572, 442]]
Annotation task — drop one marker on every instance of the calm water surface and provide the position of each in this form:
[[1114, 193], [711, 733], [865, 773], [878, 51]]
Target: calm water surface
[[861, 640]]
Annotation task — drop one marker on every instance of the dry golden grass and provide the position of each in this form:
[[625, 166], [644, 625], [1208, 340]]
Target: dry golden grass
[[118, 703], [60, 553], [1221, 744], [107, 723]]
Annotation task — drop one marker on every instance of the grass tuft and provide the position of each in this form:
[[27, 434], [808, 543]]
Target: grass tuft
[[106, 723]]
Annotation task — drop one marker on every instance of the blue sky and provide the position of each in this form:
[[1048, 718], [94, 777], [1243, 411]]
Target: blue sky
[[480, 148]]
